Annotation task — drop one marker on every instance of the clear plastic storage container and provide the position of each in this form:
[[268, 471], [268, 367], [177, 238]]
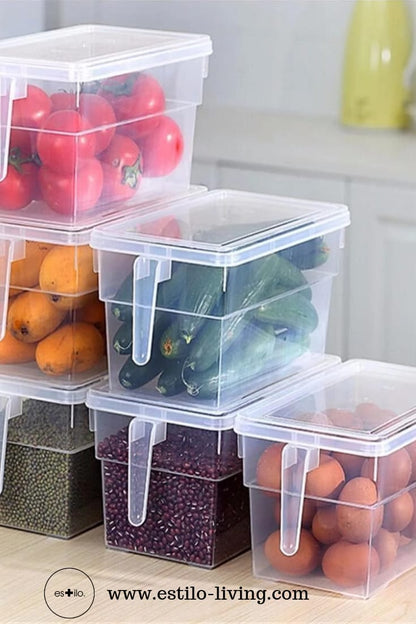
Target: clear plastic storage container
[[211, 298], [52, 325], [94, 119], [50, 481], [172, 481], [331, 467]]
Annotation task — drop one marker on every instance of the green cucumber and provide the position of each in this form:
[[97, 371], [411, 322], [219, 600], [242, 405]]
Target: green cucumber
[[172, 344], [123, 339], [307, 255], [293, 311], [200, 295], [168, 293], [132, 376], [124, 311], [170, 380], [236, 375], [243, 360]]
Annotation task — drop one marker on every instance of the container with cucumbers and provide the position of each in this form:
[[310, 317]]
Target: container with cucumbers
[[239, 300]]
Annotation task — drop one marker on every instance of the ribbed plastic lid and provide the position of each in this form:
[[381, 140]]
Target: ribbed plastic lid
[[222, 227], [90, 52], [321, 411]]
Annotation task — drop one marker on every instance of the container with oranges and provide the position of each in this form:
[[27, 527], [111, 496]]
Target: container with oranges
[[331, 467]]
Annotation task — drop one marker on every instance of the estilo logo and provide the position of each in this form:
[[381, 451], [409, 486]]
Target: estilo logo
[[69, 593]]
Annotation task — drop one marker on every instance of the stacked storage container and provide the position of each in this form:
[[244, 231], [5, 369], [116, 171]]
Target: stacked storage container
[[209, 300], [331, 468], [95, 122]]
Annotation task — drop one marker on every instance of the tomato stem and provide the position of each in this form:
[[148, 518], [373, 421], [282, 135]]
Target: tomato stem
[[132, 173]]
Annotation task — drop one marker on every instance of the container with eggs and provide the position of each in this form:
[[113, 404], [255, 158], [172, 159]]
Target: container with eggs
[[331, 467]]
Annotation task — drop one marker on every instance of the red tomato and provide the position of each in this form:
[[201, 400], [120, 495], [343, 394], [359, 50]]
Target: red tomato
[[95, 109], [63, 100], [135, 96], [68, 194], [19, 186], [162, 149], [65, 141], [29, 112], [122, 167]]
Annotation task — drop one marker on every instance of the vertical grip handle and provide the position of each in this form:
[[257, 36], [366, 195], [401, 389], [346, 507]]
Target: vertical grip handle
[[296, 463], [143, 435], [147, 273]]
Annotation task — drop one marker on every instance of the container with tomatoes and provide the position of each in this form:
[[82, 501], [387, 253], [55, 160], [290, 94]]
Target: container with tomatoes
[[331, 468], [102, 121]]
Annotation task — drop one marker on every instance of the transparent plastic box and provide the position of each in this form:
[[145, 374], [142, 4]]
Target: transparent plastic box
[[331, 467], [209, 299], [95, 119], [172, 481], [52, 323], [50, 481]]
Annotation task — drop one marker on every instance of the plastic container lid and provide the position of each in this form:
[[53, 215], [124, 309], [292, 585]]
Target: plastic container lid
[[93, 52], [223, 228], [148, 425], [292, 417]]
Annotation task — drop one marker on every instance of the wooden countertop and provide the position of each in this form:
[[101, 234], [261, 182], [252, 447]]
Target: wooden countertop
[[27, 561]]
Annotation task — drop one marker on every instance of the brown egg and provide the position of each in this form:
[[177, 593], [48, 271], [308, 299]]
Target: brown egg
[[324, 526], [351, 464], [325, 480], [398, 512], [349, 565], [305, 560], [410, 530], [358, 523], [386, 545], [392, 471], [368, 412], [343, 418], [269, 467], [309, 508], [411, 449]]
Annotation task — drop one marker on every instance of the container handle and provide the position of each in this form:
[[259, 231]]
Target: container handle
[[147, 273], [10, 250], [143, 435], [12, 407], [296, 463], [10, 90]]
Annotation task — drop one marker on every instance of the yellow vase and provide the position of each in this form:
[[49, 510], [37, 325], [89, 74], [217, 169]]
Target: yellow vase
[[377, 51]]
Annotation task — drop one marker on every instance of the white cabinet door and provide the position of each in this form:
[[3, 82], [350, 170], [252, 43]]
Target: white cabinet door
[[312, 187], [382, 265]]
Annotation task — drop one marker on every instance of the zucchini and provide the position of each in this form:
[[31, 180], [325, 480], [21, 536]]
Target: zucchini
[[294, 312], [170, 380], [307, 255], [123, 339], [172, 345], [200, 295], [132, 376]]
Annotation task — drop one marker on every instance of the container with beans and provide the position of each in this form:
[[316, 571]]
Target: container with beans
[[172, 481], [51, 479]]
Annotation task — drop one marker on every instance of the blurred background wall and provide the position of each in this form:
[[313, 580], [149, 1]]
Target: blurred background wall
[[274, 55]]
